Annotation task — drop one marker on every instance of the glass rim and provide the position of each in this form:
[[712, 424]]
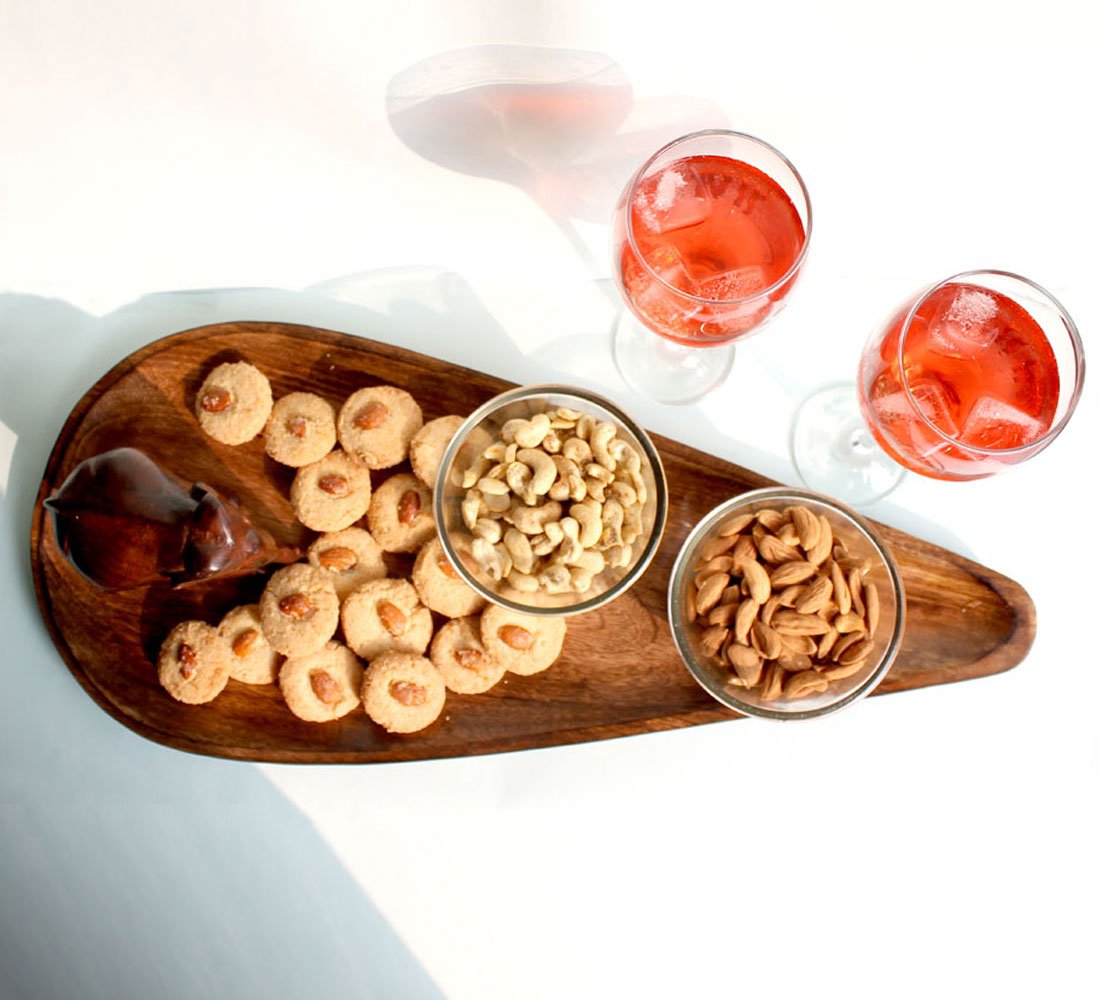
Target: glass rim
[[632, 187], [1076, 344]]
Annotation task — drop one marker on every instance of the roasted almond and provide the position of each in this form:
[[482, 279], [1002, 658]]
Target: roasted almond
[[215, 399], [772, 550], [746, 662], [842, 644], [870, 599], [736, 525], [742, 621], [815, 596], [324, 686], [722, 614], [855, 652], [334, 485], [850, 622], [720, 564], [855, 588], [771, 605], [772, 683], [841, 594], [245, 642], [393, 619], [338, 559], [821, 549], [710, 590], [766, 641], [807, 526], [716, 546], [447, 569], [408, 507], [793, 623], [804, 683], [471, 659], [743, 551], [712, 638], [799, 643], [840, 671], [795, 571], [773, 520], [757, 580], [408, 694], [372, 415], [516, 637], [790, 596], [189, 661], [296, 606]]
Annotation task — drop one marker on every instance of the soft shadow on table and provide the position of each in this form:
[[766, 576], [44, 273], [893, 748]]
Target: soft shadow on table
[[131, 870], [561, 124]]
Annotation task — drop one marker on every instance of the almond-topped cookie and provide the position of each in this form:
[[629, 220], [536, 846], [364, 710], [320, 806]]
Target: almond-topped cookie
[[234, 402], [299, 610], [324, 685], [525, 644], [427, 447], [301, 429], [332, 493], [351, 557], [403, 692], [377, 424], [193, 665], [385, 614], [460, 656], [251, 658], [400, 514], [439, 585]]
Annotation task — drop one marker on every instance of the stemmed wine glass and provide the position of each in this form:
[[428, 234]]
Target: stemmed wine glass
[[972, 374], [708, 239]]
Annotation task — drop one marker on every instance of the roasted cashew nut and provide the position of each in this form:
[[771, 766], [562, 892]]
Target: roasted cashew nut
[[532, 520], [471, 507], [600, 439], [543, 469], [519, 548], [487, 528], [587, 514], [532, 432], [577, 450]]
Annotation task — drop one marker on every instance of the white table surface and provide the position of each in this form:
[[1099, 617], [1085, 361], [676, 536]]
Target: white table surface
[[934, 842]]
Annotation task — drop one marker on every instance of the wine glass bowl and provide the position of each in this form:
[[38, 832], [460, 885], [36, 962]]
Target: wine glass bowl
[[974, 374], [708, 239]]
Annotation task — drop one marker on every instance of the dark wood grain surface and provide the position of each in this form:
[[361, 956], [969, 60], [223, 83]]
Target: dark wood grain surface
[[619, 673]]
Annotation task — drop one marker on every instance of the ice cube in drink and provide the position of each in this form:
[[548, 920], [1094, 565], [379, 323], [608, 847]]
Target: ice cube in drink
[[964, 323], [993, 423], [678, 200]]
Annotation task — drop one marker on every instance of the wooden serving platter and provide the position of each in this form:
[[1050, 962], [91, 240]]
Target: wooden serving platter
[[619, 673]]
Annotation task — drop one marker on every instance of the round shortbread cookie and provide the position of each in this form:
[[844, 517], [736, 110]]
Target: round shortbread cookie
[[351, 557], [332, 493], [300, 430], [460, 656], [384, 615], [400, 514], [525, 644], [427, 447], [234, 402], [251, 658], [439, 585], [193, 665], [377, 424], [324, 685], [299, 609], [403, 692]]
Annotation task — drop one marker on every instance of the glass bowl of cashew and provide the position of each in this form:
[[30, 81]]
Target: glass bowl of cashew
[[550, 500]]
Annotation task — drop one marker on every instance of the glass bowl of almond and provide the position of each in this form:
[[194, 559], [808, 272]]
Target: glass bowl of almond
[[785, 604], [550, 500]]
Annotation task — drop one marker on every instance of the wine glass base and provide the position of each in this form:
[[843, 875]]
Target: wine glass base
[[663, 370], [835, 453]]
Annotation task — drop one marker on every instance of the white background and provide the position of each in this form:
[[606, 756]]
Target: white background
[[932, 842]]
